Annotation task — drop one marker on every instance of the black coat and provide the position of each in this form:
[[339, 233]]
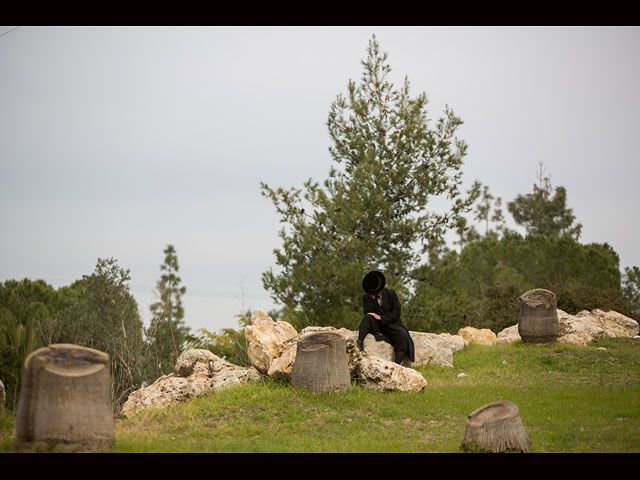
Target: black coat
[[390, 325]]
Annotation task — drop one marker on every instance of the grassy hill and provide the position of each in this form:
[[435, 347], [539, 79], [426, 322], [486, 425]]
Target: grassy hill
[[571, 399]]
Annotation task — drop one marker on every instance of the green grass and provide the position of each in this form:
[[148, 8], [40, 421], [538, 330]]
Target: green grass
[[571, 399]]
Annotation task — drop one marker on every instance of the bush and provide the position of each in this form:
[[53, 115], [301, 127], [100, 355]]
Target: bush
[[480, 286], [577, 297], [502, 308]]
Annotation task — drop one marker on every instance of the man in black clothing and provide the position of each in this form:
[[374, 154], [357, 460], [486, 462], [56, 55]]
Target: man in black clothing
[[382, 317]]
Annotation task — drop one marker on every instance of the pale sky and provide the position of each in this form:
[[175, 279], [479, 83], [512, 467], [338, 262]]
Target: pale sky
[[116, 141]]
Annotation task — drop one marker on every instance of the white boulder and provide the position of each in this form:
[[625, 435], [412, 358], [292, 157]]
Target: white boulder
[[583, 328], [616, 324], [196, 372], [508, 335], [266, 339], [482, 336], [382, 375]]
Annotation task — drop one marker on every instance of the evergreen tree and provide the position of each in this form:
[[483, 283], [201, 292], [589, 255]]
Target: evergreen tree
[[371, 211], [105, 316], [487, 211], [27, 312], [167, 332], [542, 214], [631, 289], [480, 285]]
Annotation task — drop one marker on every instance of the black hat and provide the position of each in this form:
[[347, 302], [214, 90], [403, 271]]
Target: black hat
[[373, 282]]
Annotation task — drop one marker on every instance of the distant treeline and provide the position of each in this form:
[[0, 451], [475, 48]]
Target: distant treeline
[[97, 311]]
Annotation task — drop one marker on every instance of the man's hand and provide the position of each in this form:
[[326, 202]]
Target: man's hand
[[375, 315]]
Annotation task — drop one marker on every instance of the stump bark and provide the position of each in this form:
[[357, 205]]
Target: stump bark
[[321, 364], [65, 401], [538, 317], [496, 427]]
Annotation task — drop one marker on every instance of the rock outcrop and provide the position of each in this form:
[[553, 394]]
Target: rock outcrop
[[615, 324], [508, 335], [382, 375], [584, 327], [482, 336], [196, 372], [579, 329], [430, 349], [266, 339]]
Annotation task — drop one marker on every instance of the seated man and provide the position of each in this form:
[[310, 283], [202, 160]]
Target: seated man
[[382, 317]]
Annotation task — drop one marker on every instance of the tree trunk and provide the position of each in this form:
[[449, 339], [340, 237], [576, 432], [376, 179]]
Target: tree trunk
[[321, 363], [65, 401], [495, 427], [538, 317]]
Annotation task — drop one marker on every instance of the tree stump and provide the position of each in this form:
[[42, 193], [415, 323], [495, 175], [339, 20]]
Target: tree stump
[[321, 363], [538, 317], [65, 401], [495, 427]]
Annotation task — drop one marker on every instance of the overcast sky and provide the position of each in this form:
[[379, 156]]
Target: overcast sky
[[116, 141]]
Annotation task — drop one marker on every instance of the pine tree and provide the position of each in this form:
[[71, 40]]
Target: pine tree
[[542, 214], [371, 211], [167, 332], [103, 314]]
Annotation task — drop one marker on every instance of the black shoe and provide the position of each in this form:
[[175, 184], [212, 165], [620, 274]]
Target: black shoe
[[360, 345]]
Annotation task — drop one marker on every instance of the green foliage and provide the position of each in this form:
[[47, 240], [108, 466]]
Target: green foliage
[[105, 317], [480, 285], [577, 297], [167, 333], [488, 211], [542, 214], [227, 343], [24, 306], [371, 210], [97, 311], [631, 290]]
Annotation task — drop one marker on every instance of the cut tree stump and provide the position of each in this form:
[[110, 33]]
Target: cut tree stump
[[65, 401], [321, 364], [538, 317], [496, 427]]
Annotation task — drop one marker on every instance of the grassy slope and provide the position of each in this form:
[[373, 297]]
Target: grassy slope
[[571, 399]]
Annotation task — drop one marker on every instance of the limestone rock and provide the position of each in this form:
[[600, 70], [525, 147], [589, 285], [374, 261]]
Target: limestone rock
[[375, 348], [435, 349], [375, 368], [615, 324], [282, 366], [589, 326], [508, 335], [579, 329], [482, 336], [200, 362], [455, 342], [381, 375], [584, 327], [196, 372], [266, 339]]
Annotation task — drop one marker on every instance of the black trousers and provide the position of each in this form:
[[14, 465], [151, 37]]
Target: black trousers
[[395, 333]]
